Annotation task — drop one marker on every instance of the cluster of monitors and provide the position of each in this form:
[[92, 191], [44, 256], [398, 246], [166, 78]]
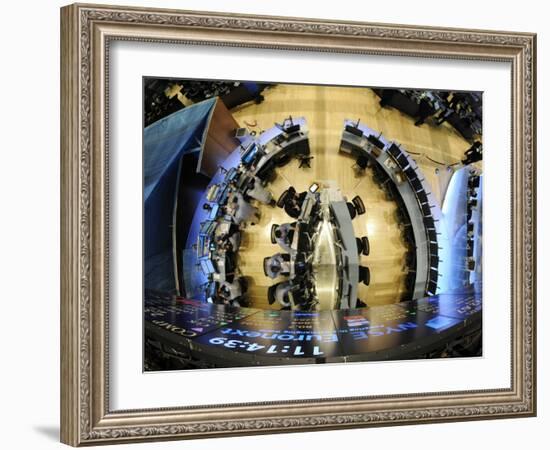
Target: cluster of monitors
[[423, 202], [473, 185]]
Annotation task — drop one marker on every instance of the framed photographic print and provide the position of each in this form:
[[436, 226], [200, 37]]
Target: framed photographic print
[[277, 224]]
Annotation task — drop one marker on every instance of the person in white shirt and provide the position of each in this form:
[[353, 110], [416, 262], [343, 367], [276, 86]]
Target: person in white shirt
[[278, 264], [257, 191], [241, 210]]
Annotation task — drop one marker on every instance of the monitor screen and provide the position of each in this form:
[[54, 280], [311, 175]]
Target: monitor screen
[[249, 156], [207, 266], [214, 211]]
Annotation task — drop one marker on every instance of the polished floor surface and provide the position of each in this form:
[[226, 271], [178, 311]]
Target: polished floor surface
[[325, 108]]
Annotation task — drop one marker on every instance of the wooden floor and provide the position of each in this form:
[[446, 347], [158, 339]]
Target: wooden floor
[[325, 108]]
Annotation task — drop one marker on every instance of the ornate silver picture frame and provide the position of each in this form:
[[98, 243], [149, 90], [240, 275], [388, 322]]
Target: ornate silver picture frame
[[87, 32]]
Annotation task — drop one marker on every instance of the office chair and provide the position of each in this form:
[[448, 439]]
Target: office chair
[[360, 304], [402, 216], [274, 228], [352, 210], [283, 160], [364, 275], [388, 192], [359, 245], [271, 293], [244, 284], [410, 258], [409, 281], [305, 161], [266, 260], [359, 205], [408, 236], [361, 164], [366, 245], [363, 245], [283, 198]]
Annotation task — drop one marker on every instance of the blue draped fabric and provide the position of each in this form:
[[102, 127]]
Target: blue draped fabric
[[164, 144]]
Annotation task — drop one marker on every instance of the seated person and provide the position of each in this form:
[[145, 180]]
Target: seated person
[[293, 204], [283, 294], [292, 209], [231, 293], [278, 264], [473, 154], [284, 235], [301, 265], [241, 211], [257, 191], [228, 243], [301, 294]]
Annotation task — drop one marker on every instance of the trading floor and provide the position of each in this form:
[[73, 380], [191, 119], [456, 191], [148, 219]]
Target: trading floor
[[321, 223], [433, 148]]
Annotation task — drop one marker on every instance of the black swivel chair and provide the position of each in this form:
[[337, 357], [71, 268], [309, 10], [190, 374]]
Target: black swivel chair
[[366, 245], [359, 205], [266, 260], [283, 198], [292, 209], [363, 245], [408, 236], [267, 171], [271, 294], [360, 304], [274, 228], [283, 160], [359, 245], [410, 258], [361, 164], [403, 216], [352, 210], [410, 280], [364, 275], [243, 282]]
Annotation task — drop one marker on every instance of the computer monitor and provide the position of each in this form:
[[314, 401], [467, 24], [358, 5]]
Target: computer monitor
[[314, 188], [394, 151], [402, 161], [426, 210], [214, 211], [422, 197], [416, 184], [249, 155], [207, 266], [354, 130], [375, 141]]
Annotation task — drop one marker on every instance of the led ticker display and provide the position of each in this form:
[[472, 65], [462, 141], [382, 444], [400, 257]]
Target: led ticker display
[[260, 337]]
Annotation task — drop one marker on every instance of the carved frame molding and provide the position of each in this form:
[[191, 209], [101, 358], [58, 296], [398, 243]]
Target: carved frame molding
[[86, 32]]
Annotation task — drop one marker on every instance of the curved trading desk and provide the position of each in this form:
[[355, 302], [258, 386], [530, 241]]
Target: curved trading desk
[[225, 336], [256, 156], [415, 194]]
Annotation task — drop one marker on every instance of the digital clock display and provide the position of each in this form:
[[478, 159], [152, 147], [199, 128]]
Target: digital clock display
[[294, 350]]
